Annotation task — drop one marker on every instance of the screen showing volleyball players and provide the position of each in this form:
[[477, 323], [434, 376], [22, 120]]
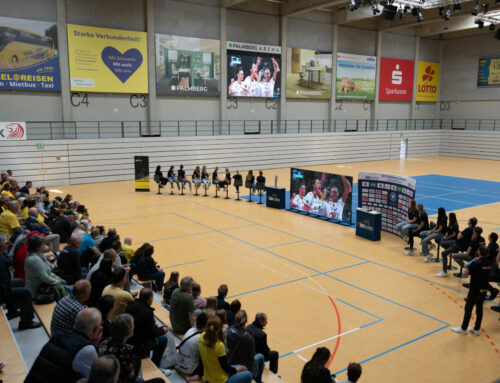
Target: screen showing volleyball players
[[253, 74], [323, 194]]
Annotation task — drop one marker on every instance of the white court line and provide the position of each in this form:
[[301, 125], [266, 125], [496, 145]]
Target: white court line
[[326, 340], [301, 357]]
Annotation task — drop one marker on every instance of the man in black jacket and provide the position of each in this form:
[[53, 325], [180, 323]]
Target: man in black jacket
[[147, 335], [63, 226], [256, 329]]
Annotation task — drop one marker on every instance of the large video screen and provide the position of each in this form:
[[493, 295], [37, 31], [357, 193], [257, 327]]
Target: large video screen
[[253, 74], [323, 194]]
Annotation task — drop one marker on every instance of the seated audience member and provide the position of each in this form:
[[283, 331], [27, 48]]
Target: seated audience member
[[82, 229], [196, 177], [105, 305], [107, 242], [221, 313], [231, 313], [182, 308], [354, 371], [476, 242], [16, 298], [181, 176], [105, 369], [68, 355], [188, 358], [241, 347], [20, 252], [101, 236], [199, 302], [63, 226], [130, 362], [212, 303], [109, 254], [215, 177], [26, 188], [32, 224], [37, 269], [117, 247], [100, 279], [138, 255], [115, 289], [6, 192], [437, 233], [159, 174], [25, 206], [170, 286], [3, 203], [147, 336], [256, 329], [493, 255], [173, 179], [221, 295], [66, 310], [315, 371], [463, 239], [411, 222], [205, 178], [447, 241], [9, 224], [239, 178], [148, 270], [68, 261], [88, 250], [423, 225], [128, 251], [216, 367], [479, 270]]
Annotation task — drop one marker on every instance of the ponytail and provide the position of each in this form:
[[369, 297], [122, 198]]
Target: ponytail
[[213, 329]]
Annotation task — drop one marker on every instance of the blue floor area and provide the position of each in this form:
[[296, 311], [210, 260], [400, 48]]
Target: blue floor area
[[434, 191]]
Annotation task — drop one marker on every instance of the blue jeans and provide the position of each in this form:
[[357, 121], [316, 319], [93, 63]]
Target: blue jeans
[[172, 180], [259, 358], [240, 377], [186, 181], [159, 349], [404, 227], [426, 239], [158, 277]]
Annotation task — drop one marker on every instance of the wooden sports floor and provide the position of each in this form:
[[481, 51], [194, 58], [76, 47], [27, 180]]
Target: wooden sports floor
[[320, 284]]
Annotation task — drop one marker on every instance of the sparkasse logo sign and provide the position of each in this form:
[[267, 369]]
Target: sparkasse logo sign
[[396, 79]]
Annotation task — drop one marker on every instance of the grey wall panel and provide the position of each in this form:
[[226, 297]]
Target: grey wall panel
[[252, 28], [357, 41], [469, 109], [472, 144], [429, 50], [398, 46], [425, 110], [43, 106], [188, 108], [249, 109], [29, 9], [108, 107], [297, 109], [393, 110], [309, 35]]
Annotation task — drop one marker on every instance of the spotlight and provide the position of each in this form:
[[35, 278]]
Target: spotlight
[[441, 11], [458, 6], [447, 14], [492, 27], [375, 9], [401, 13], [408, 8], [475, 9], [485, 8], [353, 5], [420, 17], [480, 24], [389, 12]]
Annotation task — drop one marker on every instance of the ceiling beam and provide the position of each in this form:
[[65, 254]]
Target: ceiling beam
[[296, 7], [230, 3]]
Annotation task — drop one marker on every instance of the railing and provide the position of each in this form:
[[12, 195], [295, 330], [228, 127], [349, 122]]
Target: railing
[[54, 130]]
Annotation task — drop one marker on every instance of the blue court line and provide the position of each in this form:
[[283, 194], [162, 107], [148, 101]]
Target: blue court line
[[395, 348], [239, 227], [182, 264], [332, 248], [178, 236], [360, 309], [284, 244]]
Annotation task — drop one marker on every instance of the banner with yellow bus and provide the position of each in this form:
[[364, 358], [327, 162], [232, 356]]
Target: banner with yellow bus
[[29, 57]]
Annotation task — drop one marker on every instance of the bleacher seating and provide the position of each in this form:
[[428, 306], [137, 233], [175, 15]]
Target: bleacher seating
[[14, 370]]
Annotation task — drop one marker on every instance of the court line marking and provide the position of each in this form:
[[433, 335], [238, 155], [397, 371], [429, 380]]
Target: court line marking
[[301, 357], [182, 264], [284, 244], [140, 207], [326, 340]]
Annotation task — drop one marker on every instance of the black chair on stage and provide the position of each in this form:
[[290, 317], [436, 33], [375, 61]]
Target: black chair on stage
[[249, 186], [205, 186], [158, 181], [216, 190], [182, 187], [460, 274], [437, 259], [196, 187], [237, 185], [261, 187], [226, 188]]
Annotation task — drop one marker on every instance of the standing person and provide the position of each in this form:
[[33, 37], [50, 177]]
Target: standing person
[[493, 254], [354, 371], [148, 270], [172, 178], [411, 221], [181, 176], [315, 371], [159, 174], [479, 271], [205, 178], [182, 315], [196, 178], [216, 368], [251, 86], [68, 261], [423, 225], [447, 241], [256, 329], [436, 233], [476, 242]]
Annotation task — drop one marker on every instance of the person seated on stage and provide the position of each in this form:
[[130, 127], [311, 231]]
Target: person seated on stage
[[250, 181], [205, 178], [260, 178], [172, 178], [493, 255], [462, 241], [256, 329], [315, 370], [448, 240], [411, 222], [221, 295], [476, 242], [437, 233], [181, 176], [423, 225], [215, 177], [354, 371], [196, 178], [226, 181], [239, 178], [170, 286], [159, 175], [128, 251], [199, 302]]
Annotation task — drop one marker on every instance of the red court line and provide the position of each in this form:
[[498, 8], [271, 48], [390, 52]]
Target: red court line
[[339, 331]]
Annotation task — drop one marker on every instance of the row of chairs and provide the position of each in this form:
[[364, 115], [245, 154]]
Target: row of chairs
[[260, 187]]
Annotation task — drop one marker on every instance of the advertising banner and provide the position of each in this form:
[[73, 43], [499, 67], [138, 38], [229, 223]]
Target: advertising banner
[[187, 66], [29, 58], [427, 81], [254, 72], [141, 166], [387, 193], [107, 60], [356, 77], [396, 79], [321, 194], [11, 131], [309, 75], [488, 73]]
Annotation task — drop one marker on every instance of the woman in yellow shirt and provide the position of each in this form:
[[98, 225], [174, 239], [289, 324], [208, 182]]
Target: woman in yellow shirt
[[216, 367]]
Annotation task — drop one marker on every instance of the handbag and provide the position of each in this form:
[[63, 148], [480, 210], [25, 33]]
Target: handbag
[[45, 294]]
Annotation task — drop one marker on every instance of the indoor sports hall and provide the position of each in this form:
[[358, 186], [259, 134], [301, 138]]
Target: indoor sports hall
[[313, 125]]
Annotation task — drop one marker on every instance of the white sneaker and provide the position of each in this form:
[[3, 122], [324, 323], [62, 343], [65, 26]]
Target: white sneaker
[[475, 332], [409, 252], [428, 258], [459, 330], [442, 274]]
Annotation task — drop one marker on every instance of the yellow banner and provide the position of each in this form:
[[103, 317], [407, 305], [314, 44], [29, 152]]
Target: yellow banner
[[107, 60], [428, 81]]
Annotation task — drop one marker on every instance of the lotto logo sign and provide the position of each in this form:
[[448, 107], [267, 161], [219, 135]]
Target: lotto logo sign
[[428, 81], [12, 131], [396, 79]]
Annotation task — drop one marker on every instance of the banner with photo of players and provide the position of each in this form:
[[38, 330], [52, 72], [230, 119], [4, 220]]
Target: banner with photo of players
[[323, 194], [253, 74]]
